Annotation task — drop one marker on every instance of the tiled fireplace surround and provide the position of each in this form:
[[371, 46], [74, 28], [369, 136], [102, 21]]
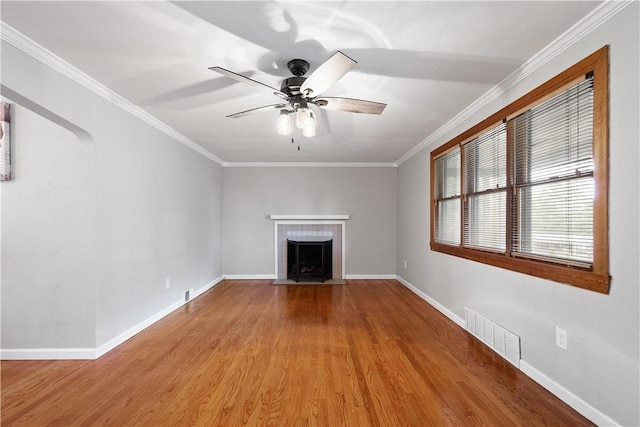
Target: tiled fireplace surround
[[332, 229]]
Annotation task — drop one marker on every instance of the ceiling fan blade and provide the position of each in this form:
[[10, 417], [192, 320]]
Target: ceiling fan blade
[[247, 80], [350, 105], [329, 72], [265, 107]]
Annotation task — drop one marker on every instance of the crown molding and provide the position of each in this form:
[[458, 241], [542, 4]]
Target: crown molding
[[586, 25], [310, 165], [583, 27], [48, 58]]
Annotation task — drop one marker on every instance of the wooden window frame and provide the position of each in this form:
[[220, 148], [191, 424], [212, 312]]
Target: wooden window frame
[[596, 277]]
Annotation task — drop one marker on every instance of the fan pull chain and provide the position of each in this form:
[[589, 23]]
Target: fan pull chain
[[298, 132], [293, 142]]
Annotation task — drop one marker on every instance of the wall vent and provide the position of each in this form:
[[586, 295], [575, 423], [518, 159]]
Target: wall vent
[[497, 338], [187, 295]]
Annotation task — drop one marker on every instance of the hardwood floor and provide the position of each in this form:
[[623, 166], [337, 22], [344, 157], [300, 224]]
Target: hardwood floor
[[369, 353]]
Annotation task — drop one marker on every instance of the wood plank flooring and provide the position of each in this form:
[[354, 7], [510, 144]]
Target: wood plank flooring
[[369, 353]]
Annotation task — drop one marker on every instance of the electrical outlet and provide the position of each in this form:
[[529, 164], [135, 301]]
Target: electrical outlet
[[561, 338], [405, 263], [167, 283]]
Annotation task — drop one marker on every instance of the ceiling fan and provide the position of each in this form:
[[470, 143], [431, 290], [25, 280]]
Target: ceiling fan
[[299, 93]]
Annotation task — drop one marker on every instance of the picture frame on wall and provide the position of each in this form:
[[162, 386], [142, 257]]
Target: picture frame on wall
[[5, 142]]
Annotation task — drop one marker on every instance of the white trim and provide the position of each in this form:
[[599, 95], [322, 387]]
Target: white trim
[[441, 308], [566, 396], [309, 217], [35, 50], [370, 276], [249, 276], [310, 165], [593, 20], [47, 354], [206, 287], [94, 353], [129, 333], [545, 381]]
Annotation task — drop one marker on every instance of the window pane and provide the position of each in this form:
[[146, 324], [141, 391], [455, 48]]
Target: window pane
[[486, 161], [448, 175], [448, 221], [447, 216], [556, 220], [555, 139], [485, 221]]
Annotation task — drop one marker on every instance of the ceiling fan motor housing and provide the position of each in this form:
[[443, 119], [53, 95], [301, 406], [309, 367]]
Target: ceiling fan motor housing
[[291, 86], [298, 67]]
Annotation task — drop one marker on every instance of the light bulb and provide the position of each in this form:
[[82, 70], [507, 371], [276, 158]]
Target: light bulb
[[309, 129], [303, 116], [284, 123]]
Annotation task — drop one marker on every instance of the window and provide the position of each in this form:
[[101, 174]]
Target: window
[[485, 192], [526, 189], [553, 178]]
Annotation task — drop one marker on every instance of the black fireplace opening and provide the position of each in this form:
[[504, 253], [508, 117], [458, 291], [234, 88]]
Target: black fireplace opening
[[309, 259]]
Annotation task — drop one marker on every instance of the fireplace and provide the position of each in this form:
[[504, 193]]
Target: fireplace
[[303, 227], [309, 258]]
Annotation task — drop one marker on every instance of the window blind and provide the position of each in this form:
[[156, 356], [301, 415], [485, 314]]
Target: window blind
[[447, 197], [553, 184], [485, 185]]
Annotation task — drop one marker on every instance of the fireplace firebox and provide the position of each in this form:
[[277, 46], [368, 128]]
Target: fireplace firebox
[[309, 258]]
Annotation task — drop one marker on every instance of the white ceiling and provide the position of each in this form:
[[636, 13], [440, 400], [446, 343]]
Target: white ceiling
[[426, 60]]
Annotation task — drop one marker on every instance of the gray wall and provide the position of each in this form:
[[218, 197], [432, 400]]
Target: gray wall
[[252, 194], [102, 209], [601, 363]]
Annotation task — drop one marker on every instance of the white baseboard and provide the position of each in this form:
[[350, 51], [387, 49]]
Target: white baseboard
[[129, 333], [370, 276], [566, 396], [94, 353], [545, 381], [273, 277], [250, 276], [441, 308], [47, 354], [206, 287]]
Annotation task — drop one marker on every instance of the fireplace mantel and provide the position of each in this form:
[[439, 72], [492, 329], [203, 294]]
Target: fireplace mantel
[[309, 217]]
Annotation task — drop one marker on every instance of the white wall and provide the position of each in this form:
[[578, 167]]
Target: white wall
[[252, 194], [601, 364], [102, 209]]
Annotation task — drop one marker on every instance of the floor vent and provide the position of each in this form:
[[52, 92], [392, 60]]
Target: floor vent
[[497, 338]]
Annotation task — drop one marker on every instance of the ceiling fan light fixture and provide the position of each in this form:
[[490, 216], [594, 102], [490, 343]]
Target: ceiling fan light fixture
[[310, 127], [309, 131], [284, 123], [303, 118]]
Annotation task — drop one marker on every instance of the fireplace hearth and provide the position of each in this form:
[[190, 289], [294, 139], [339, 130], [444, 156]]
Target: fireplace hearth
[[309, 258]]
